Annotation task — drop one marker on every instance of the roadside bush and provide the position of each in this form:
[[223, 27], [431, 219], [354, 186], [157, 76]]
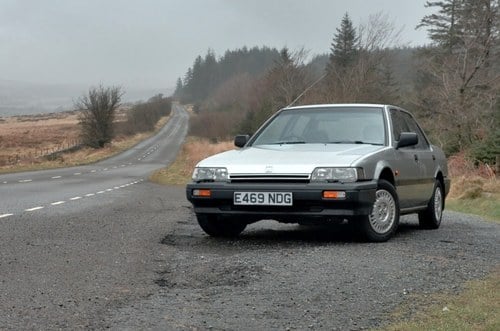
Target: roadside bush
[[486, 151], [215, 126], [97, 112], [143, 116]]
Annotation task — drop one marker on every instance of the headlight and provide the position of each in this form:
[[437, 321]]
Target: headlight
[[344, 175], [210, 175]]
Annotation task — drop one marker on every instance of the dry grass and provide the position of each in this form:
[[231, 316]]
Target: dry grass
[[474, 189], [193, 151], [24, 140]]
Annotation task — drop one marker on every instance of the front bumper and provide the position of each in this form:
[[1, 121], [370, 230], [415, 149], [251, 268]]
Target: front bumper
[[308, 201]]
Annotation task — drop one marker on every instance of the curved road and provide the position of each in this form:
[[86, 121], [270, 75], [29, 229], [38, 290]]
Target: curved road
[[31, 192], [110, 250]]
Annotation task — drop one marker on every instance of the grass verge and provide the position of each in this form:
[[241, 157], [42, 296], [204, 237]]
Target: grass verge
[[487, 207], [475, 195], [477, 307], [193, 151]]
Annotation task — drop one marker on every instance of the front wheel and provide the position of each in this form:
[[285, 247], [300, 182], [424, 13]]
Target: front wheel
[[216, 226], [430, 218], [383, 220]]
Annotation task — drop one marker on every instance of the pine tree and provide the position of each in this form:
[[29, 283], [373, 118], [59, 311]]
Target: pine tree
[[178, 88], [345, 45], [443, 27]]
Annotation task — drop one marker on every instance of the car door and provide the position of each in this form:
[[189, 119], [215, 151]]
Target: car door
[[426, 162], [407, 166]]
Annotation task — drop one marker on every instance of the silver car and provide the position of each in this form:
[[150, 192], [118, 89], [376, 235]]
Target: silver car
[[364, 163]]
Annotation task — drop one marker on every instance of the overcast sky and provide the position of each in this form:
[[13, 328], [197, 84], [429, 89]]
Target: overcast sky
[[149, 43]]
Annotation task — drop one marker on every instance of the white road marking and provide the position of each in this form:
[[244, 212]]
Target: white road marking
[[5, 215], [77, 173], [77, 198], [56, 177], [5, 182], [122, 165], [115, 167], [105, 169], [93, 170], [34, 208], [25, 180]]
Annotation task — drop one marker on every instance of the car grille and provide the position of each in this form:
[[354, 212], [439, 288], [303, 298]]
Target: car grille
[[269, 178]]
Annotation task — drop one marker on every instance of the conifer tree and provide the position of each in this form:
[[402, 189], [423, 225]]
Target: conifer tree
[[443, 26], [344, 47]]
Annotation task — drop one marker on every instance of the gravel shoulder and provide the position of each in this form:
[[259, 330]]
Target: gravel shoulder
[[279, 276]]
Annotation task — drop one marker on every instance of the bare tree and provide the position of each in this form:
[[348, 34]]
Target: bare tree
[[288, 77], [360, 79], [464, 72], [97, 112]]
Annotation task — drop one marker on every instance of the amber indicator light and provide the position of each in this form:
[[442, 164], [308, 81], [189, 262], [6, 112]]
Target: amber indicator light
[[333, 195], [202, 193]]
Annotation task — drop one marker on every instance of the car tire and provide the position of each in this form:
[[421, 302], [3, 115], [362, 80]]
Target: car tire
[[383, 220], [215, 226], [430, 218]]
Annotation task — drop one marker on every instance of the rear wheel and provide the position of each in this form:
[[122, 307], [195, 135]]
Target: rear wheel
[[216, 226], [430, 218], [383, 220]]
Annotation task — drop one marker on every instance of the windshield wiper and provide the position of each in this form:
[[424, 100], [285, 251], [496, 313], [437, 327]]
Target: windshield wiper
[[357, 142], [288, 142]]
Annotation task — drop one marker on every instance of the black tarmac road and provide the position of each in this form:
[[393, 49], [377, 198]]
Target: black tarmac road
[[100, 247]]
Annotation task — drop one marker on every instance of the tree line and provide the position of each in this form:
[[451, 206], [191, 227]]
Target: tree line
[[452, 85]]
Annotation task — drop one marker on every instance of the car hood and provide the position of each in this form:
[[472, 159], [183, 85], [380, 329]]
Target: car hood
[[288, 159]]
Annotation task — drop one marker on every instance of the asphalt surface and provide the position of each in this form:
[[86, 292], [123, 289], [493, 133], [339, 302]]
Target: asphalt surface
[[133, 258]]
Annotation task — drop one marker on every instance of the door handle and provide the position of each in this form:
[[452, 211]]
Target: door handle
[[415, 156]]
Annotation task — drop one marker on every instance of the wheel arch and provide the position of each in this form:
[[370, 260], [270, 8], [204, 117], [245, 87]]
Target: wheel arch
[[384, 171], [439, 177]]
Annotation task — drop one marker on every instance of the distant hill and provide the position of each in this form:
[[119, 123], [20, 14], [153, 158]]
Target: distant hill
[[24, 98]]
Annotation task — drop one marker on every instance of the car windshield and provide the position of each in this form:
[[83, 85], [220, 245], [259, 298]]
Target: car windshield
[[329, 125]]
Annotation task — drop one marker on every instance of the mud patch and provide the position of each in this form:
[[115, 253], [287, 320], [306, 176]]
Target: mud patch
[[206, 275]]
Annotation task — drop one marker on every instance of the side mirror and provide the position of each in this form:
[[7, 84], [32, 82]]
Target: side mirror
[[407, 139], [241, 140]]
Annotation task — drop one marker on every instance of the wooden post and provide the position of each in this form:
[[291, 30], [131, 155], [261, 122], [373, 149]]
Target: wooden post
[[497, 167]]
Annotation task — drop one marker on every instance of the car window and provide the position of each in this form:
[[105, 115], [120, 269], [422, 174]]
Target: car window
[[413, 126], [398, 124], [404, 122], [287, 129], [325, 125]]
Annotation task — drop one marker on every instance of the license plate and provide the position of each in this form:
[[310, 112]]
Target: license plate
[[263, 198]]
